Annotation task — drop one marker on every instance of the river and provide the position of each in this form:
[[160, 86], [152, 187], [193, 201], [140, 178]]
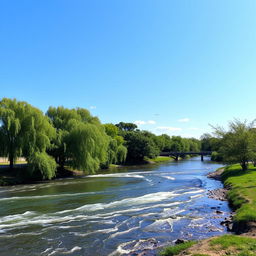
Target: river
[[129, 209]]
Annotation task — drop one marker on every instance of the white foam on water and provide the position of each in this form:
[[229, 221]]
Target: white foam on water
[[116, 175], [46, 250], [195, 191], [170, 212], [128, 202], [64, 251], [196, 196], [105, 231], [169, 177], [43, 220], [136, 245], [33, 218], [123, 232], [120, 250], [22, 234], [47, 196], [160, 225], [17, 217]]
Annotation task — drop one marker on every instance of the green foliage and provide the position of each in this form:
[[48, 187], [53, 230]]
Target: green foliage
[[111, 130], [121, 154], [176, 249], [116, 152], [87, 147], [216, 156], [164, 142], [81, 140], [210, 143], [126, 126], [24, 129], [140, 145], [42, 166], [238, 143]]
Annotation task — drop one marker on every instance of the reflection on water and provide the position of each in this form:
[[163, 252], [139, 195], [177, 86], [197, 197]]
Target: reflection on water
[[111, 213]]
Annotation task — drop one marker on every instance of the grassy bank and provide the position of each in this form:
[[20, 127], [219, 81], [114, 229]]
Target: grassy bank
[[242, 194], [232, 245], [160, 159]]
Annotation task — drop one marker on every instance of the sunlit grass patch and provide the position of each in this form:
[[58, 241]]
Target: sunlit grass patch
[[235, 245], [176, 249], [160, 159]]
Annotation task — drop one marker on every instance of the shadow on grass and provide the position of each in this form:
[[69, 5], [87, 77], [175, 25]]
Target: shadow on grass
[[236, 172]]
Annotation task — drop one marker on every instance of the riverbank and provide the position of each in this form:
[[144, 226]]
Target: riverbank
[[239, 189], [16, 176]]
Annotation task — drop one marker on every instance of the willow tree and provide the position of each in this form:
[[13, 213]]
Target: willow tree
[[117, 152], [87, 147], [24, 130], [81, 141]]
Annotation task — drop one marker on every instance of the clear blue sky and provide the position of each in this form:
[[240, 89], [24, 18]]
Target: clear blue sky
[[133, 60]]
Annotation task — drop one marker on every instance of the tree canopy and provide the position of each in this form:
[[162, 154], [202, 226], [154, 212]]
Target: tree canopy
[[238, 144], [24, 130], [74, 138], [81, 140]]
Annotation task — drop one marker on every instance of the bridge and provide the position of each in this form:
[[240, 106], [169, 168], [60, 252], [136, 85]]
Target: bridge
[[176, 155]]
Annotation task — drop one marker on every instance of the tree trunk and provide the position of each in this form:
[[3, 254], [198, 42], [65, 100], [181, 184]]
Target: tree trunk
[[62, 161], [11, 163], [244, 165], [11, 157]]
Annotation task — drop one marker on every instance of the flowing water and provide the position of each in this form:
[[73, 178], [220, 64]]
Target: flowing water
[[129, 209]]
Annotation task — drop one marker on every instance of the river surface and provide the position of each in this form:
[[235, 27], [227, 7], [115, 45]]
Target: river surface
[[129, 209]]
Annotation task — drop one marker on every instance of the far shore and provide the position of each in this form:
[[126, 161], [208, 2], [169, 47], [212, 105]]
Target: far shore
[[14, 177]]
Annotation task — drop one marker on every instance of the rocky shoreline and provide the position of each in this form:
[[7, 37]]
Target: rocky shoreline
[[244, 228], [221, 195]]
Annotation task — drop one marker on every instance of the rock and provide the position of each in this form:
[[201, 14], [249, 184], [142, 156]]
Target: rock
[[180, 241], [230, 227], [218, 194], [219, 212]]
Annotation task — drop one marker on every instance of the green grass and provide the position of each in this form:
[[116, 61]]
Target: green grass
[[242, 194], [235, 245], [17, 162], [161, 159], [176, 249]]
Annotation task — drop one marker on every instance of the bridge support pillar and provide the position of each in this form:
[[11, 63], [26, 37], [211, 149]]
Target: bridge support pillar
[[176, 158], [202, 157]]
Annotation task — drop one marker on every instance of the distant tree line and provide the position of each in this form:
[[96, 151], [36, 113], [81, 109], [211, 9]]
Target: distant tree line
[[73, 138]]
